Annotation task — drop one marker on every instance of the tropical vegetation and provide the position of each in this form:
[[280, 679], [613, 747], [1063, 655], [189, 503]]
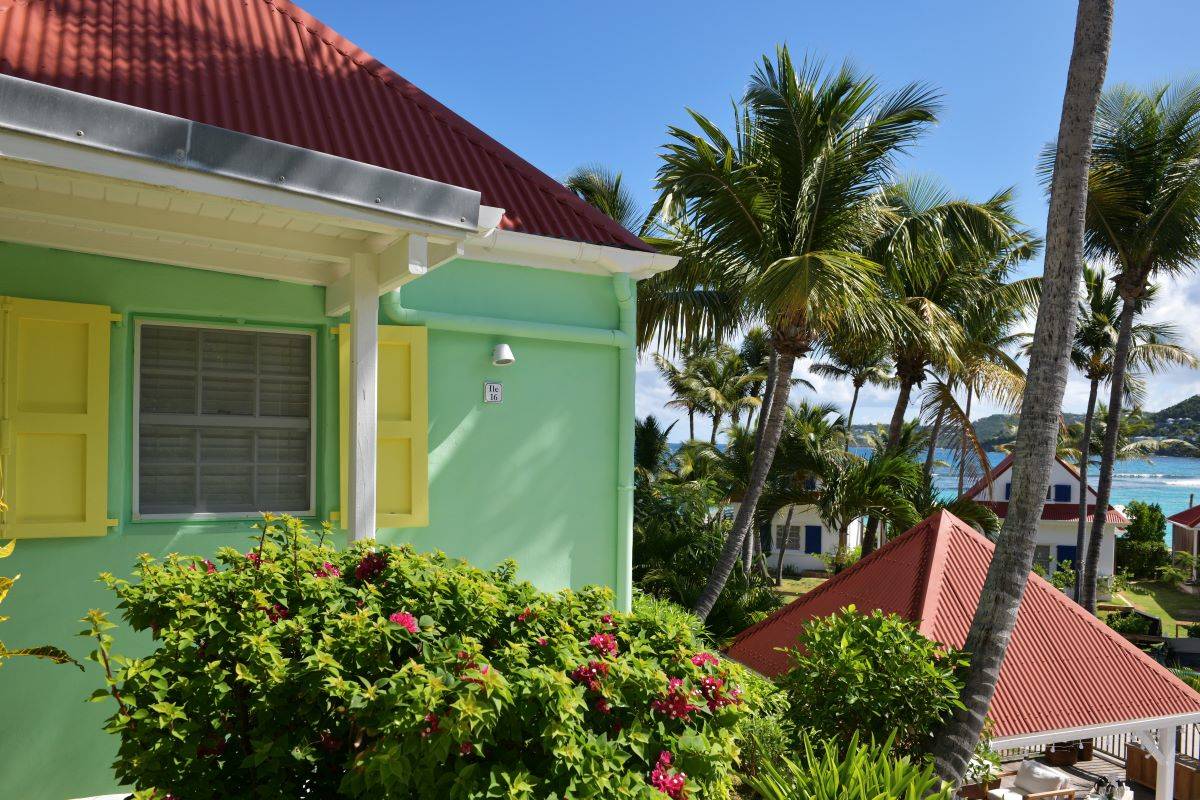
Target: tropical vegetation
[[304, 670], [872, 676]]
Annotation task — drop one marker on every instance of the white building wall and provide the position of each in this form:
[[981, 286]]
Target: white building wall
[[803, 517]]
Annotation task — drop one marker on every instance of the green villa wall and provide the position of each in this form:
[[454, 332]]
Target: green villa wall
[[532, 478]]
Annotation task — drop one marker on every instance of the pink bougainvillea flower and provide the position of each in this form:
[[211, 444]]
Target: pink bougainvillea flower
[[602, 705], [405, 620], [677, 703], [543, 641], [431, 725], [254, 558], [668, 781], [589, 674], [278, 612], [607, 619], [524, 615], [370, 567], [465, 749], [327, 570], [209, 567], [700, 659], [604, 643]]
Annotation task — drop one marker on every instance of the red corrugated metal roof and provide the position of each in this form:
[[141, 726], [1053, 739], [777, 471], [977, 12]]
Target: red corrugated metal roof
[[267, 68], [1059, 511], [1063, 669], [1188, 518]]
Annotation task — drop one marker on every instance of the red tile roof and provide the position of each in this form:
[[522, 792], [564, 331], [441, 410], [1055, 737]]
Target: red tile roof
[[1050, 511], [1063, 669], [1059, 511], [1188, 518], [266, 68]]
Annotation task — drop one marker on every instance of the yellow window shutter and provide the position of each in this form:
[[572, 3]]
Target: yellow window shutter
[[54, 425], [402, 463]]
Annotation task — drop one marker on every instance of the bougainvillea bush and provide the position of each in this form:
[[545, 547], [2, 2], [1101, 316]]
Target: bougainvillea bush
[[295, 670]]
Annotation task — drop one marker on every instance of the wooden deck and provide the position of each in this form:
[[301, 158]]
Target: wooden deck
[[1085, 773]]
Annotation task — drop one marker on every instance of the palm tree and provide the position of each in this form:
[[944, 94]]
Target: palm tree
[[723, 380], [1046, 376], [651, 448], [812, 435], [942, 255], [1096, 334], [758, 356], [1143, 216], [602, 189], [862, 362], [907, 443], [853, 487], [778, 214], [683, 381]]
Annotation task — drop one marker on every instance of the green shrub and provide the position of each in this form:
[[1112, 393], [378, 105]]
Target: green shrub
[[299, 671], [766, 740], [1063, 578], [675, 548], [872, 675], [1128, 622], [1142, 549], [833, 771]]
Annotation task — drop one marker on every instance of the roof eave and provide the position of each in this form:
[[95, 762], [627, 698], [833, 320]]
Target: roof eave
[[56, 114], [1036, 738]]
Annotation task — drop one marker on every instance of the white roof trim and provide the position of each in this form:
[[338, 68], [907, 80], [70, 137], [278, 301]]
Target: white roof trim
[[1090, 731], [545, 252]]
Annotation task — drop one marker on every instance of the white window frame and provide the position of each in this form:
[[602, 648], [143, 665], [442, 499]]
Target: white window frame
[[136, 414]]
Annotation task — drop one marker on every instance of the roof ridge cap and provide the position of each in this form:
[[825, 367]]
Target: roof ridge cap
[[452, 120], [931, 591]]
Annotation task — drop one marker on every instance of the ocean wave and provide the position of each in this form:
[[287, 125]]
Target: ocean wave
[[1141, 475], [1188, 482]]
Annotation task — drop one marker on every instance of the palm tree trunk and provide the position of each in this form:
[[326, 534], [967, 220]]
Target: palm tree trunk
[[931, 454], [768, 393], [1108, 454], [962, 446], [869, 535], [712, 439], [1037, 435], [1084, 455], [691, 424], [843, 542], [906, 385], [850, 416], [787, 531], [764, 455]]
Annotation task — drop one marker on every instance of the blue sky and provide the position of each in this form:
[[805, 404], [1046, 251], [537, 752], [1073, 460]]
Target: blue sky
[[567, 83]]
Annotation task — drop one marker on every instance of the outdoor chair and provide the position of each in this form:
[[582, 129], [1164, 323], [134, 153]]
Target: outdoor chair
[[1036, 781]]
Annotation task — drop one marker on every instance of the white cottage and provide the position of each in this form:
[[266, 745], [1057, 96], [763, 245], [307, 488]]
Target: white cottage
[[807, 537], [1056, 536]]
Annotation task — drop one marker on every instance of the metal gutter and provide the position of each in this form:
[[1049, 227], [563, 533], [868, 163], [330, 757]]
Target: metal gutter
[[50, 112]]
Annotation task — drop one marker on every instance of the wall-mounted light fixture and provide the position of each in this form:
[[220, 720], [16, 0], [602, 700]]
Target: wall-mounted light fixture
[[502, 355]]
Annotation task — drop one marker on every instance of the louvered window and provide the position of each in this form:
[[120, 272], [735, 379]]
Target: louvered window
[[225, 422]]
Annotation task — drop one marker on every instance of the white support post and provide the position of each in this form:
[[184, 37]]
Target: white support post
[[364, 362], [1160, 743], [1165, 785]]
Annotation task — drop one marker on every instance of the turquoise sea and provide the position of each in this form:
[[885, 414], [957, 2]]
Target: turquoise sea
[[1170, 481]]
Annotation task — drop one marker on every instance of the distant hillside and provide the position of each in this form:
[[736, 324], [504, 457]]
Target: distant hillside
[[1180, 421]]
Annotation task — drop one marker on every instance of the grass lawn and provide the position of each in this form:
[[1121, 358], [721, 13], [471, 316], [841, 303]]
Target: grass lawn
[[1165, 602], [794, 587]]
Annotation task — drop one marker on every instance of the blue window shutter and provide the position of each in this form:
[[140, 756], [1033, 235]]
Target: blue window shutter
[[1008, 491], [1065, 552], [1062, 492], [812, 538]]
